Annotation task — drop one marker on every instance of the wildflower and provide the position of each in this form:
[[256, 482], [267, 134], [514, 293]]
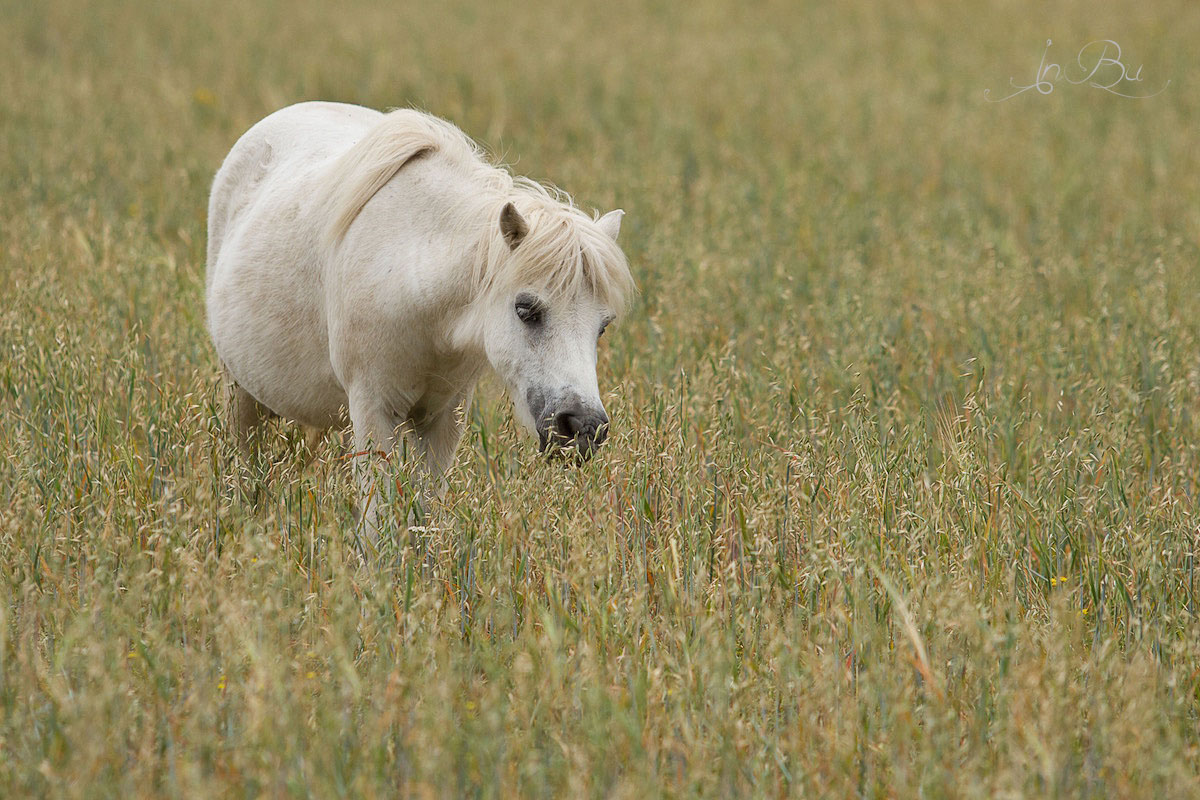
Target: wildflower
[[310, 674], [221, 683], [204, 97]]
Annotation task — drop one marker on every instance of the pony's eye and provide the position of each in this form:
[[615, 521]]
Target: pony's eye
[[530, 312], [603, 328]]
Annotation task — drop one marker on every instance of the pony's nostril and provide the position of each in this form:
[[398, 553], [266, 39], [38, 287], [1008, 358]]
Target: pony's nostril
[[567, 425]]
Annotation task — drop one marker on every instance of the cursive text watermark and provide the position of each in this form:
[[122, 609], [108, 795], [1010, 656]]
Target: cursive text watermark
[[1100, 67]]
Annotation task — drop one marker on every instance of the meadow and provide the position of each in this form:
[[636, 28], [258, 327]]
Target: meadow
[[900, 496]]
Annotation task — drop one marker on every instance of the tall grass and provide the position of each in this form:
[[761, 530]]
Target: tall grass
[[901, 492]]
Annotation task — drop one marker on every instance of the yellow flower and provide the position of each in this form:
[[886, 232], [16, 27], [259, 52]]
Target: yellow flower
[[204, 97], [221, 683], [310, 674]]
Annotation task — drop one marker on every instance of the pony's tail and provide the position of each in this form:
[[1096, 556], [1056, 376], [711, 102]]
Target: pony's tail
[[370, 163]]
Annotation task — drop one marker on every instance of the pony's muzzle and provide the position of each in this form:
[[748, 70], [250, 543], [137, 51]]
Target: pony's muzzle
[[574, 428]]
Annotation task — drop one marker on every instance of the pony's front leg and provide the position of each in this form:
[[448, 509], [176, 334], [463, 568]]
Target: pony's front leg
[[437, 440], [375, 437]]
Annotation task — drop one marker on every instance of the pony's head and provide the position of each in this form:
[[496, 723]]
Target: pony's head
[[552, 281]]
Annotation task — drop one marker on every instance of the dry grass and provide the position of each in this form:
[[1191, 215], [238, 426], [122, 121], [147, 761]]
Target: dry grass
[[901, 496]]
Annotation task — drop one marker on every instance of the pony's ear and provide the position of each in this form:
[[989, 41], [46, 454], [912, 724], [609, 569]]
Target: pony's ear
[[610, 223], [512, 225]]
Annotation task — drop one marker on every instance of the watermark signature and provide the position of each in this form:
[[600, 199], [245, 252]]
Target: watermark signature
[[1100, 67]]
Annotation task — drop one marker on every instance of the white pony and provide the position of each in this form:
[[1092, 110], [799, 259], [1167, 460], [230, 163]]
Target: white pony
[[377, 264]]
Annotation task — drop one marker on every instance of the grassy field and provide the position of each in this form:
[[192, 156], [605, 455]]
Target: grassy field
[[901, 497]]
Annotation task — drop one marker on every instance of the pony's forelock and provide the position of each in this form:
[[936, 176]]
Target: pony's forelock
[[564, 254]]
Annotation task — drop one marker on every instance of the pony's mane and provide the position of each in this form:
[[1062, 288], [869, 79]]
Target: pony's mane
[[563, 251]]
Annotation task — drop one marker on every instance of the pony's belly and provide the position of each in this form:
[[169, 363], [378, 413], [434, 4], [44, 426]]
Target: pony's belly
[[278, 353], [312, 399]]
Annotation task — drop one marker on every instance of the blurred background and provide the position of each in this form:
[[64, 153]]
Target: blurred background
[[901, 491]]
